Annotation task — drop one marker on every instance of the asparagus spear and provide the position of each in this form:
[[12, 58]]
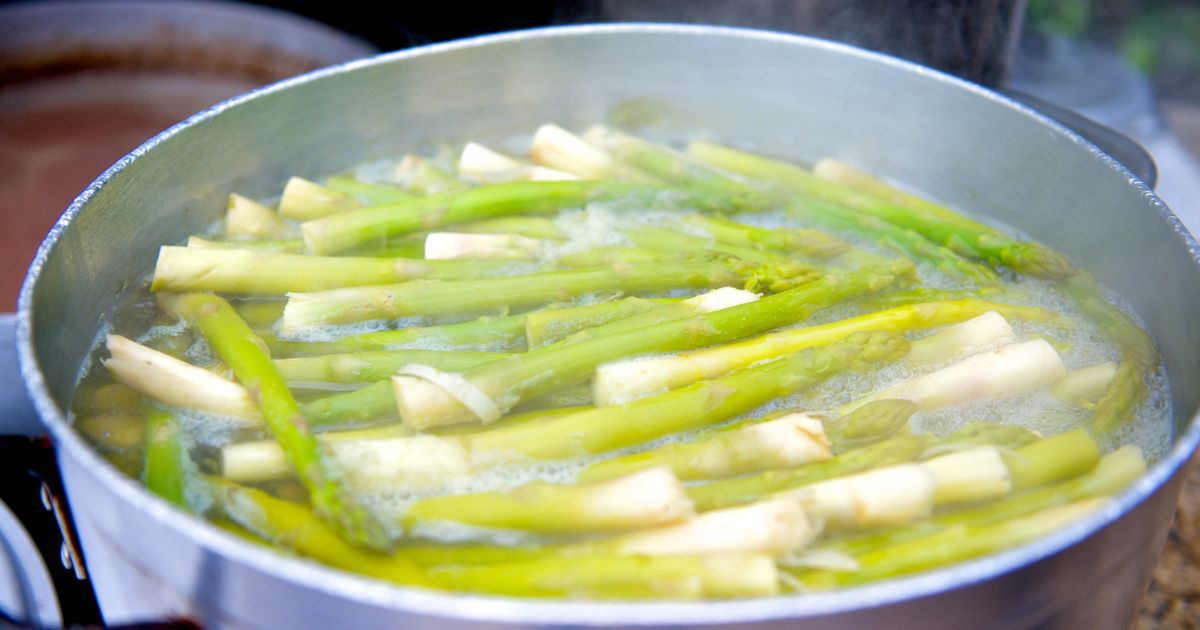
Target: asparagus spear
[[506, 383], [246, 218], [378, 224], [628, 380], [251, 272], [456, 297], [1027, 257], [790, 241], [1013, 369], [273, 245], [953, 544], [164, 472], [640, 500], [550, 325], [843, 173], [870, 423], [904, 240], [305, 200], [730, 492], [366, 192], [1139, 358], [668, 241], [488, 333], [661, 161], [175, 382], [238, 348], [790, 440], [365, 367], [962, 340], [1113, 473], [1006, 436]]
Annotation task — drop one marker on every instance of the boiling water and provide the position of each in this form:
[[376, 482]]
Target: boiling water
[[1078, 341]]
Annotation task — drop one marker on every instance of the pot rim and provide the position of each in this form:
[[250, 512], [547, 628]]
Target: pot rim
[[495, 609]]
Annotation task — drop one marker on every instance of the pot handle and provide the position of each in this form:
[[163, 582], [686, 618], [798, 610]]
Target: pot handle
[[17, 415], [1119, 146]]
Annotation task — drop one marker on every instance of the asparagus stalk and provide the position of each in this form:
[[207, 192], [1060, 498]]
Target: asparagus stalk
[[259, 314], [174, 382], [250, 272], [730, 492], [672, 310], [644, 499], [1027, 257], [1006, 436], [378, 224], [164, 472], [455, 297], [237, 347], [366, 192], [1139, 358], [616, 255], [365, 367], [488, 333], [843, 173], [903, 493], [668, 241], [953, 544], [959, 341], [500, 386], [789, 241], [550, 325], [304, 200], [661, 161], [562, 150], [246, 218], [423, 177], [904, 240], [276, 245], [791, 440], [483, 165], [531, 227], [620, 577], [1113, 473], [628, 380], [453, 245], [1010, 370]]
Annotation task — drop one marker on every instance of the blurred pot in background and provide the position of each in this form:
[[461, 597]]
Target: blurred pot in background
[[83, 83]]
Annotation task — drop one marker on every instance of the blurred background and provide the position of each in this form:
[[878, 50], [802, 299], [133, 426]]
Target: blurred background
[[83, 82]]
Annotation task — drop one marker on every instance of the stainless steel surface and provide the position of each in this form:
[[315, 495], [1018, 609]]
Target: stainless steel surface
[[26, 591], [17, 415], [784, 94]]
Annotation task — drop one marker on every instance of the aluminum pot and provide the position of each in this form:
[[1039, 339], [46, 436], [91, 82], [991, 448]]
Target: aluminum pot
[[789, 95]]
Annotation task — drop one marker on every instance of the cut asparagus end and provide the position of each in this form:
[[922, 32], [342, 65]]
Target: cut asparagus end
[[751, 575], [451, 245], [645, 499], [423, 404], [304, 200], [1115, 471], [418, 174], [876, 498], [972, 475], [482, 164], [559, 149], [247, 218], [1013, 369], [413, 463], [773, 527], [986, 331], [1087, 384], [174, 382]]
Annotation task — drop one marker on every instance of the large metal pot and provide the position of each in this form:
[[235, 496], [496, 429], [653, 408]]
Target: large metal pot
[[789, 95]]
